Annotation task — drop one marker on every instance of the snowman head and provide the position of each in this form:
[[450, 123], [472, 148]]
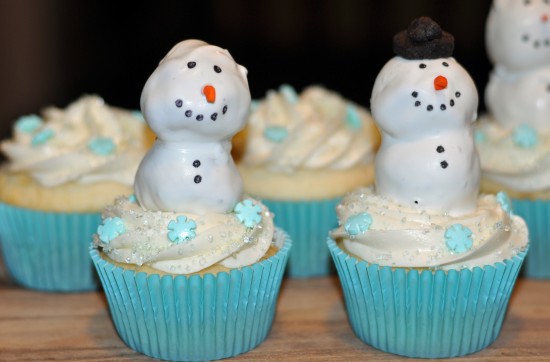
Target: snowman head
[[518, 34], [423, 91], [198, 93]]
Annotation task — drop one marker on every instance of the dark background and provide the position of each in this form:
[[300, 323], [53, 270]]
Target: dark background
[[52, 52]]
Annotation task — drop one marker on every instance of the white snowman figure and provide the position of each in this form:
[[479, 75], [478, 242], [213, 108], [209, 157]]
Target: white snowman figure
[[518, 44], [195, 101], [424, 104]]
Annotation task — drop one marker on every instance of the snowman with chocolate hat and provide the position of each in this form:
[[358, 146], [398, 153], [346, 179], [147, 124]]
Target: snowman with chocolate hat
[[424, 103], [195, 101]]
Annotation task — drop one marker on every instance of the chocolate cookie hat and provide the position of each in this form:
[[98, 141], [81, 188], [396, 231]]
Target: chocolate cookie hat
[[423, 39]]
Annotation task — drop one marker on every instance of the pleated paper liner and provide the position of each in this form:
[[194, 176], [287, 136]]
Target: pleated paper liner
[[182, 318], [536, 214], [429, 314], [48, 251], [308, 224]]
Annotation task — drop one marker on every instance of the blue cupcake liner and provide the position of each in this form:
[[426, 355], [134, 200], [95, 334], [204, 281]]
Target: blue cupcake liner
[[48, 251], [194, 317], [428, 314], [308, 224], [536, 214]]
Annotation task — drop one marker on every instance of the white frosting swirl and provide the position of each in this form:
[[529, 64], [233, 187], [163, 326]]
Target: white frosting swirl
[[401, 236], [220, 239], [317, 129], [86, 142], [523, 169]]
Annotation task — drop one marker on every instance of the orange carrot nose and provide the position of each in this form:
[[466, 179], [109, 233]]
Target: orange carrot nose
[[210, 93], [440, 82], [544, 18]]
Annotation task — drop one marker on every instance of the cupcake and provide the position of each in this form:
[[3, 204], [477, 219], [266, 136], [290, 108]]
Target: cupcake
[[426, 264], [513, 138], [302, 153], [191, 268], [63, 167]]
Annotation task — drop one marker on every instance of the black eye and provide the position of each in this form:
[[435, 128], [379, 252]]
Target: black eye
[[217, 69], [445, 64], [422, 66], [191, 65], [527, 2], [548, 88], [525, 37]]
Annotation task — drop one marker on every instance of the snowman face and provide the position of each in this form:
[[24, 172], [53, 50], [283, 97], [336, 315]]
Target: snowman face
[[197, 93], [417, 98], [518, 34]]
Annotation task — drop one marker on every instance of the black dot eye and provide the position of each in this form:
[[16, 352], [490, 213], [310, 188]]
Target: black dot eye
[[536, 44], [457, 94], [443, 107], [191, 65], [422, 65], [224, 109], [525, 37], [179, 103], [526, 2], [445, 64], [452, 102], [196, 163], [217, 69], [414, 94], [548, 88]]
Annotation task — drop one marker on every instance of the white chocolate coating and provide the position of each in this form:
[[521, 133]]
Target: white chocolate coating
[[191, 127], [427, 158]]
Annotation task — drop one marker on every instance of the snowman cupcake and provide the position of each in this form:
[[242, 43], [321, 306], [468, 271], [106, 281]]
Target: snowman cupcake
[[191, 268], [302, 153], [63, 167], [513, 138], [427, 266]]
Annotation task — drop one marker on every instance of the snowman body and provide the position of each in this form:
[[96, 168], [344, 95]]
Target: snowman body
[[518, 44], [425, 111], [195, 101]]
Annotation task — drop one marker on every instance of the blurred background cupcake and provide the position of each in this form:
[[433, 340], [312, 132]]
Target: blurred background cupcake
[[299, 154], [62, 168], [191, 268], [426, 265], [513, 138]]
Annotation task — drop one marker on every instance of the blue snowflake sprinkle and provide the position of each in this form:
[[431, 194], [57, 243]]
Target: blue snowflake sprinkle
[[525, 136], [181, 229], [132, 198], [110, 228], [505, 202], [480, 137], [458, 238], [102, 146], [276, 134], [254, 104], [353, 118], [28, 124], [289, 93], [42, 137], [358, 223], [248, 213], [138, 115]]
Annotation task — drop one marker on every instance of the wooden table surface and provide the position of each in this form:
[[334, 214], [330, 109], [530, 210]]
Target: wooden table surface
[[310, 325]]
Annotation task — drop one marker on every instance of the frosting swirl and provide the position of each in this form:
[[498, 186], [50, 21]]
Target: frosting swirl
[[181, 243], [317, 129], [517, 158], [86, 142], [399, 236]]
